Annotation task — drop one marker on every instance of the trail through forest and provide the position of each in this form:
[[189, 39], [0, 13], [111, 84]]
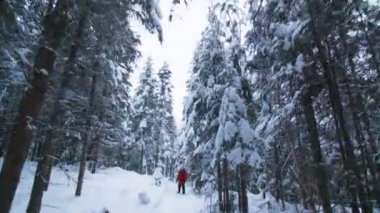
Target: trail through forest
[[114, 189]]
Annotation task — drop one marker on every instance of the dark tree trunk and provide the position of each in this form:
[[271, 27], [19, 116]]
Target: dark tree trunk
[[166, 166], [142, 161], [226, 183], [95, 157], [87, 133], [279, 177], [238, 185], [220, 188], [97, 141], [44, 168], [31, 104], [242, 186], [319, 169]]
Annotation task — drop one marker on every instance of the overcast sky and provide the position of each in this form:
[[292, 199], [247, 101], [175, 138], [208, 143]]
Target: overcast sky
[[180, 39]]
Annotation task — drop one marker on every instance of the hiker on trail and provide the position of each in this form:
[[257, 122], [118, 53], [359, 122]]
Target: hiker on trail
[[181, 179], [157, 175]]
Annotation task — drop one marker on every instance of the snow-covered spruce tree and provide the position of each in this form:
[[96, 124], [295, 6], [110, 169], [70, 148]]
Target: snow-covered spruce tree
[[217, 137], [166, 123], [203, 103], [145, 104], [236, 144]]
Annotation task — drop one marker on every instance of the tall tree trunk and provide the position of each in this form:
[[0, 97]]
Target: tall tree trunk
[[226, 183], [319, 169], [44, 168], [278, 176], [87, 133], [277, 171], [31, 104], [220, 187], [239, 190]]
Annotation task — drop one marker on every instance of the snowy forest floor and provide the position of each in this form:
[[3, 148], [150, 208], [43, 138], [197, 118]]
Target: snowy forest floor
[[114, 189], [118, 191]]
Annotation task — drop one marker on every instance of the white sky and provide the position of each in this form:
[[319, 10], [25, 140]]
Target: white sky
[[180, 39]]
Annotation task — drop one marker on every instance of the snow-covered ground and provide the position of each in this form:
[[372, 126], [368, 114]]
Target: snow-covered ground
[[114, 188], [119, 191]]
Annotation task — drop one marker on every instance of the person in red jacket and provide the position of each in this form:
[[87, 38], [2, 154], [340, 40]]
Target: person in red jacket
[[181, 179]]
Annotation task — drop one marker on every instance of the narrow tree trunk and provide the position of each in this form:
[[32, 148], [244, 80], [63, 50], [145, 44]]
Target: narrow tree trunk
[[30, 105], [95, 158], [220, 187], [82, 166], [239, 190], [278, 176], [226, 194], [97, 141], [277, 163], [142, 161]]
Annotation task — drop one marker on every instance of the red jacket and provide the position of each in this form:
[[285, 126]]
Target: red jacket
[[182, 176]]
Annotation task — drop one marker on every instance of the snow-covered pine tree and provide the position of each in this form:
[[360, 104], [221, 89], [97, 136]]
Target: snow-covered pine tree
[[145, 119], [205, 90], [166, 122]]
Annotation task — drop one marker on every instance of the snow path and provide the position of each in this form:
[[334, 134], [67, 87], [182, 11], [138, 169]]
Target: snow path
[[114, 189]]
